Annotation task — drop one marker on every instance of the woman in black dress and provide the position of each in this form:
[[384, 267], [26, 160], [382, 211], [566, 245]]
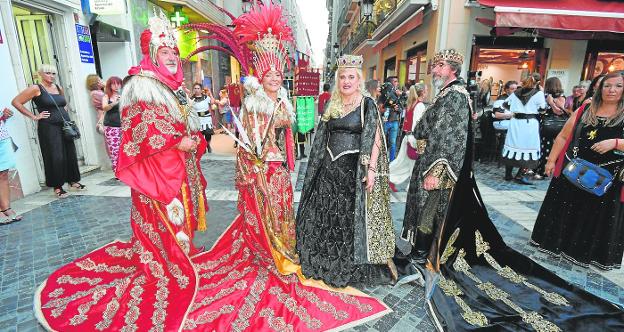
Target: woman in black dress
[[59, 154], [344, 227], [555, 108], [578, 225]]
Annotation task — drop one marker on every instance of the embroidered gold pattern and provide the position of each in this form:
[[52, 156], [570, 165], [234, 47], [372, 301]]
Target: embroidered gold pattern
[[348, 299], [233, 275], [323, 306], [89, 265], [209, 265], [239, 285], [532, 318], [79, 318], [56, 293], [151, 115], [65, 279], [450, 288], [508, 273], [174, 269], [450, 249], [113, 306], [249, 307], [227, 268], [208, 317], [132, 315], [291, 304], [276, 323]]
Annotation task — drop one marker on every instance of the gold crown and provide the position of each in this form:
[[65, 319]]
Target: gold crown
[[350, 61], [449, 55]]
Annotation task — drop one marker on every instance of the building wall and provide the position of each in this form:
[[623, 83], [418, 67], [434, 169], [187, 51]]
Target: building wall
[[567, 56]]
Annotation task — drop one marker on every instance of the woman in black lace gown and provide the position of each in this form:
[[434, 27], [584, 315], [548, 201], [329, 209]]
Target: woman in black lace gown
[[580, 226], [344, 228]]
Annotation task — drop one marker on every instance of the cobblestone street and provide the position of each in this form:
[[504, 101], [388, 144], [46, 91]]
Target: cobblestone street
[[55, 232]]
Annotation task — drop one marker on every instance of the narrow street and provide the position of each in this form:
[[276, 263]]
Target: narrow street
[[55, 232]]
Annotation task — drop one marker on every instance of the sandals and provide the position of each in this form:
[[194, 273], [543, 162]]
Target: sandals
[[6, 217], [12, 215], [77, 186], [60, 193]]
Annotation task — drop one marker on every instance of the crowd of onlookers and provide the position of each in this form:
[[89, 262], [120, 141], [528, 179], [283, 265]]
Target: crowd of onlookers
[[57, 146]]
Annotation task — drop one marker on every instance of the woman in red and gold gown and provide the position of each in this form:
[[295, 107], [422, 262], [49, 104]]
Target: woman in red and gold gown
[[159, 281]]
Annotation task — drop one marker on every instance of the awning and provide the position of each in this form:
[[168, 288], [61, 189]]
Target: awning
[[408, 25], [569, 15]]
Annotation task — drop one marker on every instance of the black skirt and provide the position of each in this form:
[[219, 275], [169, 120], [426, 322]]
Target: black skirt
[[325, 228], [60, 161], [581, 227]]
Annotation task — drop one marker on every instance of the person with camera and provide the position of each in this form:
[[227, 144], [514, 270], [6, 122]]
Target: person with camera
[[390, 96], [60, 161]]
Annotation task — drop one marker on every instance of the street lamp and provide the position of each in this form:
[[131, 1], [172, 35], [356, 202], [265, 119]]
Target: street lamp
[[247, 5], [366, 9]]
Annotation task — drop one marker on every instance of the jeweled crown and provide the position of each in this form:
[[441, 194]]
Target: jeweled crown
[[449, 55], [350, 61], [163, 34], [270, 53]]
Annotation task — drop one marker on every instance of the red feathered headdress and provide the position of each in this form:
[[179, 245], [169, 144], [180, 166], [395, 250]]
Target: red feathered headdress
[[265, 28]]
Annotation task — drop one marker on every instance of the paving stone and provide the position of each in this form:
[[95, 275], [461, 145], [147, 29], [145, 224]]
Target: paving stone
[[63, 230]]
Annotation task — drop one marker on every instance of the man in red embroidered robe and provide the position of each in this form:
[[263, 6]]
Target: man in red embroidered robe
[[150, 282]]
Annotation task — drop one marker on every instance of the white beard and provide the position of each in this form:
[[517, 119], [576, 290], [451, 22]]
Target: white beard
[[172, 70], [439, 82]]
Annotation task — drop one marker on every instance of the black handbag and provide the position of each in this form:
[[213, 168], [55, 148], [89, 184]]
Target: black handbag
[[70, 128], [552, 124]]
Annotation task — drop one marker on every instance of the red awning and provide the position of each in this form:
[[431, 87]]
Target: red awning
[[410, 24], [570, 15]]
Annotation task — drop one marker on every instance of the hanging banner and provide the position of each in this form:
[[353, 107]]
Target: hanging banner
[[84, 44], [107, 7]]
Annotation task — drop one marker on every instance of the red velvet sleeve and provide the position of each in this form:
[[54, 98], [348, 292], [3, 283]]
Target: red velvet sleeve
[[149, 161]]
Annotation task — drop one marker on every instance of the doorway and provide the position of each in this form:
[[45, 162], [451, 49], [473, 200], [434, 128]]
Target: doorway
[[38, 44]]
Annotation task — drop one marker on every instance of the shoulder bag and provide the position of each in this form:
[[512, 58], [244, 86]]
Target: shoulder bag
[[70, 129], [585, 175]]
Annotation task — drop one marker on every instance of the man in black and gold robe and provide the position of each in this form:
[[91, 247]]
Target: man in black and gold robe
[[442, 132]]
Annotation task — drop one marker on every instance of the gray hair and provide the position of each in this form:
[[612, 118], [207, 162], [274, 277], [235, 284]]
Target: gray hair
[[455, 67]]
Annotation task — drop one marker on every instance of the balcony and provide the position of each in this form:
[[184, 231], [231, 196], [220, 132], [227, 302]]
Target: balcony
[[389, 14]]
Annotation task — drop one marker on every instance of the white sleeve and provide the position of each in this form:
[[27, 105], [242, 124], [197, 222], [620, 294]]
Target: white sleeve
[[419, 111]]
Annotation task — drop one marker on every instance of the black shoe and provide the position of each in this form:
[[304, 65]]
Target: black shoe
[[523, 180], [419, 256], [508, 178]]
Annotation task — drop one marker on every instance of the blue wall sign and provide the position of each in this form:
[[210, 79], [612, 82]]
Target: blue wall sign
[[84, 44]]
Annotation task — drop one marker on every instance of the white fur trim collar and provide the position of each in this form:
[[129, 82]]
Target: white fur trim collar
[[150, 90]]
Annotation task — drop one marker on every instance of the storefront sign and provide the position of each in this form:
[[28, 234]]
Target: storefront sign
[[84, 44], [307, 83], [562, 74], [107, 7]]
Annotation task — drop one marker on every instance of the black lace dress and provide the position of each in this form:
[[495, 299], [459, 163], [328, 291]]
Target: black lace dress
[[325, 228], [582, 227]]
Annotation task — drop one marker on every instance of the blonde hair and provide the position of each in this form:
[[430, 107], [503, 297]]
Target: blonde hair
[[415, 91], [334, 109], [93, 82], [47, 68], [590, 118]]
